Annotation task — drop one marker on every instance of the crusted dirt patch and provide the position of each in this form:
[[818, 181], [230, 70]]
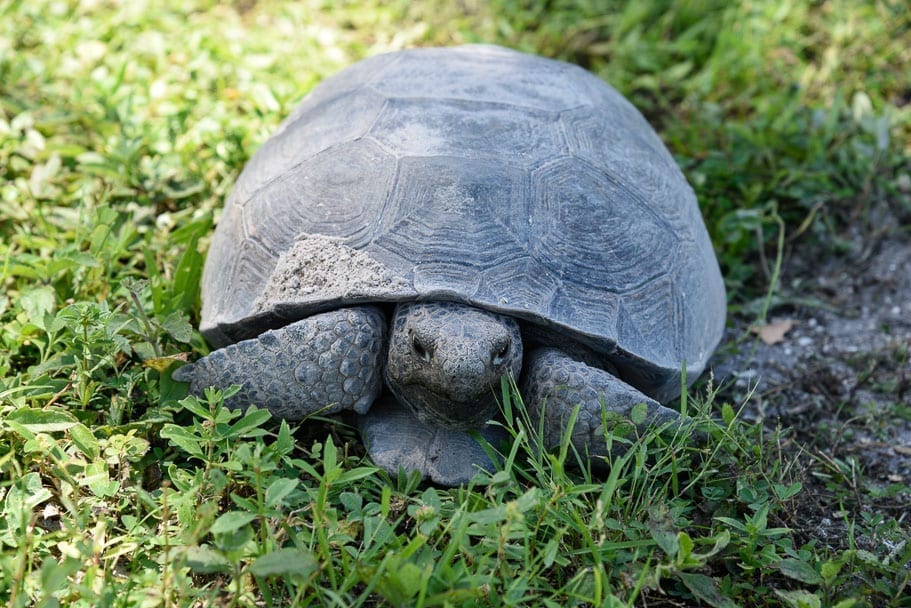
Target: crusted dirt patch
[[322, 267], [839, 379]]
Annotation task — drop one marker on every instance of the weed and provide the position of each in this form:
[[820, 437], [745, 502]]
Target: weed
[[123, 127]]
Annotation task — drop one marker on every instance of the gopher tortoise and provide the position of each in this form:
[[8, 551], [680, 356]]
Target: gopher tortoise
[[429, 221]]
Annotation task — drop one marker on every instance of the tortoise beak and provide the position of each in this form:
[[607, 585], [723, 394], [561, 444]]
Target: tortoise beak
[[447, 411]]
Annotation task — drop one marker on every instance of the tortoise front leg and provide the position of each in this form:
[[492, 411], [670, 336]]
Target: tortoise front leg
[[553, 384], [325, 363]]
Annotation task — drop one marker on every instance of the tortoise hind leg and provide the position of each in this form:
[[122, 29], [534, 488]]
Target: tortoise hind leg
[[553, 384], [322, 364]]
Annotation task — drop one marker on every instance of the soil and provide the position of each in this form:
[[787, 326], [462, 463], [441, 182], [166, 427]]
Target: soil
[[839, 380], [322, 267]]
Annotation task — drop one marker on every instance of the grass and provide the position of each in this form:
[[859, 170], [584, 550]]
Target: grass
[[122, 129]]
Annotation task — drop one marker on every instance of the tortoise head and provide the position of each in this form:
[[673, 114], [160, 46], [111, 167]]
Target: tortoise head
[[445, 361]]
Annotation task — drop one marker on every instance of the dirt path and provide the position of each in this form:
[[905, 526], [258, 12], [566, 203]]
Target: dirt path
[[840, 379]]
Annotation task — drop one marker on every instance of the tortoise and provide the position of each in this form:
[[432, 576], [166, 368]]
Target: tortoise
[[429, 221]]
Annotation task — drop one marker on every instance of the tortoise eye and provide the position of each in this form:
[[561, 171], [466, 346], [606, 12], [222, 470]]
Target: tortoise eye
[[499, 352], [419, 348]]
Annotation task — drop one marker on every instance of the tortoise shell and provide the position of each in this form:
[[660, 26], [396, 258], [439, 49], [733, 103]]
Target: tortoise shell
[[482, 175]]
